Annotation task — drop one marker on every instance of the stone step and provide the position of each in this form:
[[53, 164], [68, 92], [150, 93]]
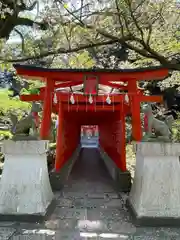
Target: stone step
[[70, 235], [89, 189], [44, 234], [76, 230], [84, 220]]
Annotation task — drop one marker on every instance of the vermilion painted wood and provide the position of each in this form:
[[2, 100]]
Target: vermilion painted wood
[[65, 97], [30, 98], [72, 84], [121, 87], [71, 117], [103, 76], [67, 140], [122, 138], [63, 85], [117, 142], [111, 139], [90, 85], [60, 145], [92, 128], [92, 108]]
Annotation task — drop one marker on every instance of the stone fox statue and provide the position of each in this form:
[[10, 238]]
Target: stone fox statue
[[23, 126], [162, 128]]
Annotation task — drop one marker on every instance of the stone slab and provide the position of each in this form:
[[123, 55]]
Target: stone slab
[[26, 194], [89, 236], [156, 149], [30, 217], [152, 221], [32, 237], [71, 213], [122, 180], [154, 199], [28, 147], [108, 214], [58, 179]]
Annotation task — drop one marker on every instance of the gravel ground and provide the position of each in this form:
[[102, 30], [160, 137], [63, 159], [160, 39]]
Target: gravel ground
[[88, 208]]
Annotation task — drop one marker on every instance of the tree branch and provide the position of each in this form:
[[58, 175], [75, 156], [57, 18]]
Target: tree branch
[[22, 38], [62, 51], [128, 2]]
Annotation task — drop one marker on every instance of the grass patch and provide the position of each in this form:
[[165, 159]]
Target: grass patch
[[11, 104], [7, 103], [5, 134]]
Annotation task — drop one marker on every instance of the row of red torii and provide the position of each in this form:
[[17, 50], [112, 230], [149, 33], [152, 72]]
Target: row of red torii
[[90, 108], [91, 130]]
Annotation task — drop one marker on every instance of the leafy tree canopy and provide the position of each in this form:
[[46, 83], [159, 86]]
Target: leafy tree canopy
[[93, 33]]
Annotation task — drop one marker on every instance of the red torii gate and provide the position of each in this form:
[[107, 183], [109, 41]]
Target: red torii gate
[[91, 114], [87, 128]]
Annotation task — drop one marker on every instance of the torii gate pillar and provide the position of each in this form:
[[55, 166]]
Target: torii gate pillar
[[59, 148], [123, 141]]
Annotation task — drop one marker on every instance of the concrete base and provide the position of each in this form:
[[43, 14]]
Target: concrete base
[[24, 138], [151, 221], [122, 180], [30, 218], [25, 190], [154, 199], [58, 179]]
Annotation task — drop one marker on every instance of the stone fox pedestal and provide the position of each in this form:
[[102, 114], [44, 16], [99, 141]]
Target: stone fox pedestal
[[155, 194], [25, 191]]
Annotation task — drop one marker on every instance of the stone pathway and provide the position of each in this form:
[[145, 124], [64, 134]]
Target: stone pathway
[[88, 208]]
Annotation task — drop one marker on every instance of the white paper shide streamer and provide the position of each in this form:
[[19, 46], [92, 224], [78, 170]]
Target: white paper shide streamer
[[126, 98], [72, 100], [108, 100], [55, 98], [90, 99]]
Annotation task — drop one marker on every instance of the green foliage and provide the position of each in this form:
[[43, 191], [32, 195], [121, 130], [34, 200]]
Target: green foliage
[[81, 60], [30, 91], [5, 134], [8, 104], [149, 28], [176, 130]]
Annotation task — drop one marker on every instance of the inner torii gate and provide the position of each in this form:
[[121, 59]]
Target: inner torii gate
[[89, 129], [91, 106]]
